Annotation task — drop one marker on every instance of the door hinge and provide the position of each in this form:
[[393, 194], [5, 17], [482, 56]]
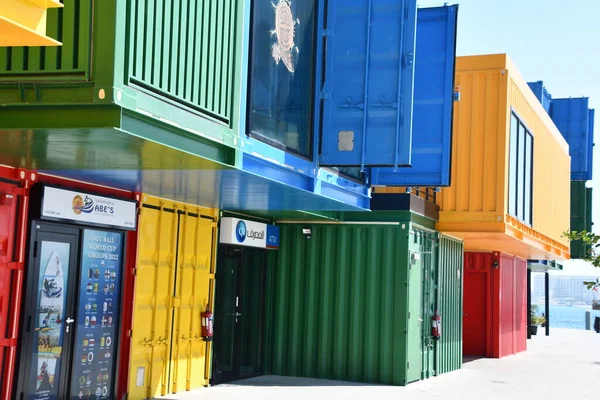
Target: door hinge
[[408, 315], [408, 365], [327, 32], [35, 249], [130, 333]]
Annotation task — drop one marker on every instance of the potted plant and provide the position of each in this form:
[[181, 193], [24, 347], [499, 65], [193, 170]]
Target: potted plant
[[536, 319]]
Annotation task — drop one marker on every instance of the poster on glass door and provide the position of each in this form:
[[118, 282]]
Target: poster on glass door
[[49, 314], [97, 315]]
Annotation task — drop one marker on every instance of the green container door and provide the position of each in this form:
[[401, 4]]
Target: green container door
[[421, 303], [448, 352]]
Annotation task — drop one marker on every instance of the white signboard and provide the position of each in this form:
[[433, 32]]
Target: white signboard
[[242, 232], [88, 208]]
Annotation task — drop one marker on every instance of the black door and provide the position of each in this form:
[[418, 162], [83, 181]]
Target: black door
[[49, 314], [239, 314]]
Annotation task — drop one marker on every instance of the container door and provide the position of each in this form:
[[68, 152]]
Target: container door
[[49, 314], [194, 282], [152, 316], [174, 284], [98, 315], [475, 314], [227, 316], [253, 312], [8, 215], [415, 320], [368, 83], [433, 103]]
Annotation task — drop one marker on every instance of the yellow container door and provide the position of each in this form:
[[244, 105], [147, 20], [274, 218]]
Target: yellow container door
[[194, 291], [174, 284]]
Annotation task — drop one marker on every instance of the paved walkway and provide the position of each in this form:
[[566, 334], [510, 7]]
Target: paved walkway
[[564, 366]]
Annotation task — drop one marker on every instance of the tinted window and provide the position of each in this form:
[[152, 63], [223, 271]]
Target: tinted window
[[512, 172], [281, 83], [520, 172]]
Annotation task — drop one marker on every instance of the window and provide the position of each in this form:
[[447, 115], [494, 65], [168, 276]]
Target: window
[[520, 171], [281, 83]]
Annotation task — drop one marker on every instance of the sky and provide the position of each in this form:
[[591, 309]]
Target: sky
[[555, 41]]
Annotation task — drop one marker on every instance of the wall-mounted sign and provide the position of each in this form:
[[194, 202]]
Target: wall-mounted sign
[[88, 208], [242, 232]]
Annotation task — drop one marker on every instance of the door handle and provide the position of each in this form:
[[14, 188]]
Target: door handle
[[69, 320]]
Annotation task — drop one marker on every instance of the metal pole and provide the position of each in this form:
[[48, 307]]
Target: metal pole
[[547, 304], [588, 320], [528, 303]]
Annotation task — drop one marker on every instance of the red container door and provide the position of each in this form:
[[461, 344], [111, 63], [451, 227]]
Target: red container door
[[475, 314], [507, 308], [520, 305], [8, 208]]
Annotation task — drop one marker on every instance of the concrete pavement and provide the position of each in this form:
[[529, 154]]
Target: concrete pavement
[[564, 366]]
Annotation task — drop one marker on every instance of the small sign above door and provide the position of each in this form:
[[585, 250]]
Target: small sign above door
[[90, 209], [242, 232]]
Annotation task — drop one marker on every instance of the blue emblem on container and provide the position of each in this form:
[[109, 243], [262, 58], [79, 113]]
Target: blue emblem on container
[[240, 231]]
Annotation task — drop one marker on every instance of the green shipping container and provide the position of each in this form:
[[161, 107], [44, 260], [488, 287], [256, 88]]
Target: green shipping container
[[354, 301], [581, 216], [180, 61]]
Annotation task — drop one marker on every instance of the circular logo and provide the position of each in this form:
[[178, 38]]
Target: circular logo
[[240, 231], [77, 204]]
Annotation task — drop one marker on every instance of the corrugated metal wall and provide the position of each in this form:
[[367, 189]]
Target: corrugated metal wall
[[185, 50], [478, 305], [71, 25], [174, 284], [450, 274], [491, 89], [499, 297], [520, 305], [551, 161], [479, 129], [581, 216], [345, 304], [335, 314], [572, 118], [505, 298]]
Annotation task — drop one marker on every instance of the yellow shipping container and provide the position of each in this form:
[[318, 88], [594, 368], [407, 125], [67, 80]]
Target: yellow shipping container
[[519, 204], [174, 283]]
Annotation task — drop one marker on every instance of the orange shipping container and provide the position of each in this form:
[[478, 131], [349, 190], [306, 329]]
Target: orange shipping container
[[510, 187]]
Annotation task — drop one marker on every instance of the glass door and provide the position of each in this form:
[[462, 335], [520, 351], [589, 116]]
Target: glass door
[[227, 316], [252, 310], [49, 314], [239, 314], [98, 314]]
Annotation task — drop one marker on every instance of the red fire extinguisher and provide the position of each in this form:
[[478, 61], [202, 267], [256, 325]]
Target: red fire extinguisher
[[207, 325], [436, 326]]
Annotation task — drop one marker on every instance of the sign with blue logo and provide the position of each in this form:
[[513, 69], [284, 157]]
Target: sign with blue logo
[[249, 233], [88, 208]]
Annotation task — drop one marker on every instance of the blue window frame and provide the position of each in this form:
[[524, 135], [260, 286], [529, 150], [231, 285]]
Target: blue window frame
[[281, 74]]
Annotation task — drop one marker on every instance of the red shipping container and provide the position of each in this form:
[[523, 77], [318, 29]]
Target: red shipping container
[[495, 302]]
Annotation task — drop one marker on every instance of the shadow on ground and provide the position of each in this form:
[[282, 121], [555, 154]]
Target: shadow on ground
[[282, 381]]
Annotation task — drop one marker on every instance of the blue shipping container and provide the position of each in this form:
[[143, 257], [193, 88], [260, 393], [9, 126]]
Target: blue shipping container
[[572, 118], [433, 103], [542, 94], [368, 84]]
